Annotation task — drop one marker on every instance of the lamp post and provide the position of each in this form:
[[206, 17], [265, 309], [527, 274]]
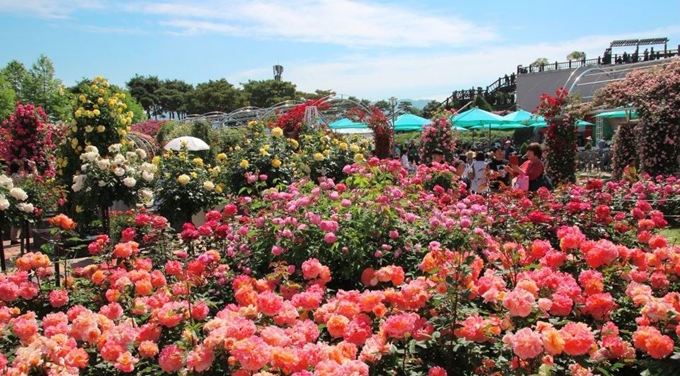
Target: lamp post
[[278, 69], [393, 102]]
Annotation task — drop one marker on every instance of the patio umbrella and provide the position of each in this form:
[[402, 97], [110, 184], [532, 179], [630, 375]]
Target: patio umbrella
[[580, 124], [192, 143], [476, 116], [345, 123], [523, 117], [621, 114], [410, 122], [459, 129]]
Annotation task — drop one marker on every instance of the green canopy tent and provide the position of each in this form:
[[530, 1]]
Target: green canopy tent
[[524, 117], [619, 114], [347, 126], [410, 122], [475, 117]]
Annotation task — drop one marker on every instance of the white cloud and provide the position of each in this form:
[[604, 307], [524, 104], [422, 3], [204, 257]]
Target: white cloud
[[343, 22], [415, 75], [47, 8]]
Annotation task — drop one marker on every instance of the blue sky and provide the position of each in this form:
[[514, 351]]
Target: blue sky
[[369, 49]]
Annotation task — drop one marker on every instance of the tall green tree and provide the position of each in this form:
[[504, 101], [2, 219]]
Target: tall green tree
[[540, 62], [40, 87], [7, 96], [145, 91], [15, 73], [172, 97], [576, 55], [406, 107], [267, 93], [217, 95], [482, 104], [384, 105], [430, 108], [317, 94]]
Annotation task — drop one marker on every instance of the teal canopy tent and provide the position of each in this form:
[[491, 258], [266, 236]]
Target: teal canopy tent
[[524, 117], [475, 117], [620, 114], [346, 124], [410, 122], [580, 124]]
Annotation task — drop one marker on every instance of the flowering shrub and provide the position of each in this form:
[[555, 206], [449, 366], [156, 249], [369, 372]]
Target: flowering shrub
[[185, 186], [149, 127], [659, 129], [15, 203], [292, 121], [126, 176], [438, 135], [383, 133], [100, 119], [625, 150], [26, 136], [560, 137], [372, 275]]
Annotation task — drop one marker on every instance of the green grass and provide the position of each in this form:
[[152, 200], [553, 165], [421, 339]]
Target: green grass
[[672, 235]]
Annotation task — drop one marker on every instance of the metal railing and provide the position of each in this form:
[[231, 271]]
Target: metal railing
[[615, 59]]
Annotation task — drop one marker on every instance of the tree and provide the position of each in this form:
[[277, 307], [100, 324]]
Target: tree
[[267, 93], [384, 105], [145, 89], [7, 96], [172, 97], [317, 94], [15, 72], [482, 104], [540, 62], [211, 96], [41, 88], [406, 107], [576, 55], [430, 108]]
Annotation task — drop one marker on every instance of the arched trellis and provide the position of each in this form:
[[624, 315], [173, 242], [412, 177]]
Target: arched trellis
[[144, 142], [337, 105], [586, 80]]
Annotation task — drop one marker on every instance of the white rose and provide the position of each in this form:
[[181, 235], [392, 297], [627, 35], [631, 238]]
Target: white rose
[[147, 176], [118, 159], [208, 186], [25, 207], [129, 170], [84, 167], [146, 166], [129, 182], [4, 203], [91, 149], [90, 157], [147, 194], [114, 148], [119, 171], [18, 194], [141, 153], [101, 183], [78, 182], [6, 181], [103, 164]]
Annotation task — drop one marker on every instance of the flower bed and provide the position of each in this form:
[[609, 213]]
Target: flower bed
[[373, 275]]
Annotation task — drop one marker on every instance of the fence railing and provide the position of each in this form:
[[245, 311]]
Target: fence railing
[[600, 60]]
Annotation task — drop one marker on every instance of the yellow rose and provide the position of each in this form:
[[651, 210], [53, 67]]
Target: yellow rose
[[112, 103], [294, 143], [343, 146], [354, 148], [277, 132], [101, 129], [183, 179], [100, 100], [96, 112], [82, 98], [199, 162], [256, 134], [244, 163], [78, 113], [221, 156], [156, 160], [79, 209], [358, 158], [218, 189], [276, 163], [215, 171], [89, 129], [318, 157], [326, 152], [263, 152], [208, 186], [194, 175], [74, 143], [237, 148]]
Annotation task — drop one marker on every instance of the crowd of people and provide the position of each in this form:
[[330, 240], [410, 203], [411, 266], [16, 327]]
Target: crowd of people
[[492, 170]]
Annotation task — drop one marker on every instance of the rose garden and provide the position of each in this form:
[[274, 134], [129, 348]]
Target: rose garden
[[320, 256]]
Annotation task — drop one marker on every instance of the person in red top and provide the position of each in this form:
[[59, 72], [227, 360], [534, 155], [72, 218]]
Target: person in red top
[[533, 167]]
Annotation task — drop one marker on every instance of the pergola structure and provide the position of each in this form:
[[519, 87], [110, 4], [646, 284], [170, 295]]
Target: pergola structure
[[337, 105]]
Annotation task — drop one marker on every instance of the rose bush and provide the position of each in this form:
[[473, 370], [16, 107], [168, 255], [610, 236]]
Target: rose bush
[[372, 275]]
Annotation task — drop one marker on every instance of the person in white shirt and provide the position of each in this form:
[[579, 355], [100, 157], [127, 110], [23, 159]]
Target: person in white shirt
[[477, 174], [404, 160]]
